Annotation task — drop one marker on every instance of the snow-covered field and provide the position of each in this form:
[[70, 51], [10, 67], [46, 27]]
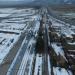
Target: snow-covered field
[[30, 39], [12, 27], [58, 50], [65, 47], [64, 28], [7, 41], [14, 22], [61, 71]]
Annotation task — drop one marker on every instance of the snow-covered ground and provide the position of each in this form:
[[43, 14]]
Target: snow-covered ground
[[17, 20], [58, 50], [28, 21], [28, 59], [64, 28], [61, 71], [67, 31], [7, 41], [14, 20], [12, 27], [38, 65]]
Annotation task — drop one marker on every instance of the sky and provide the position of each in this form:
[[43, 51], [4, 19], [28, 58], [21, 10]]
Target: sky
[[11, 2], [16, 0]]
